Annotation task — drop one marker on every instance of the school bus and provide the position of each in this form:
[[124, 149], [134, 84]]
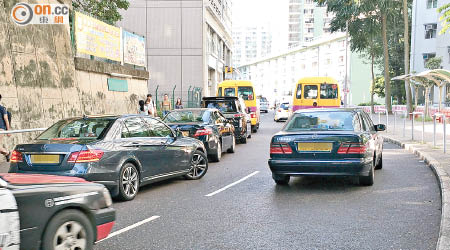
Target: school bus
[[245, 90], [316, 92]]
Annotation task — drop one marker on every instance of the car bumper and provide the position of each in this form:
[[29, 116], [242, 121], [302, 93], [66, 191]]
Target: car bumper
[[104, 221], [353, 167], [254, 121]]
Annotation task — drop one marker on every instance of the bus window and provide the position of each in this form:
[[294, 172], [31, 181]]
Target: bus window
[[229, 92], [219, 92], [328, 91], [246, 93], [299, 91], [310, 92]]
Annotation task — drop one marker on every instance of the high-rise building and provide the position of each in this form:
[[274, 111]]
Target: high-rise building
[[250, 43], [426, 42], [307, 21], [189, 43]]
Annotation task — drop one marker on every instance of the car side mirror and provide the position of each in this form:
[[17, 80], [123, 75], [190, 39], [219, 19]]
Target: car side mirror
[[380, 127]]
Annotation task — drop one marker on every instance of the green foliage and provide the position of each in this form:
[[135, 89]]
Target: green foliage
[[106, 11], [368, 104], [379, 86], [445, 18], [434, 63]]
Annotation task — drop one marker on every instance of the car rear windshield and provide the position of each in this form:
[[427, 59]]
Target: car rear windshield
[[284, 106], [222, 105], [321, 121], [83, 128], [263, 99], [246, 93], [200, 116]]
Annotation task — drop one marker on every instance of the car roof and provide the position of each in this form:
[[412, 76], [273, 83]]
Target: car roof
[[196, 109], [221, 98], [328, 110]]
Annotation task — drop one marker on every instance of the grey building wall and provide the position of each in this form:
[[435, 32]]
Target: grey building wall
[[174, 36]]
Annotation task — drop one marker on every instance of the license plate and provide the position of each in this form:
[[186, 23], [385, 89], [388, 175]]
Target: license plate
[[185, 133], [44, 159], [315, 146]]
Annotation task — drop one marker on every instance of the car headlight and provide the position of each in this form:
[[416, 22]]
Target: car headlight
[[107, 197]]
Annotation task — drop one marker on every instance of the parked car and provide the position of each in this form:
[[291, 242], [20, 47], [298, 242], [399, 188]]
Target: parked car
[[264, 104], [234, 110], [336, 141], [206, 125], [52, 212], [282, 112], [122, 152]]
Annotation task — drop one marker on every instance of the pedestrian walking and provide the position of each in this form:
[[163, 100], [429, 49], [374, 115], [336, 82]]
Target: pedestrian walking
[[143, 110], [166, 105], [151, 107], [179, 104], [4, 125]]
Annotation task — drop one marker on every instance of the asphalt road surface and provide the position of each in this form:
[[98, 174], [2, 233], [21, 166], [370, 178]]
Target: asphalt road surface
[[401, 211]]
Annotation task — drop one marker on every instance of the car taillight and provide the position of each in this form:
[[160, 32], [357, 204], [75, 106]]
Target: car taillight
[[91, 155], [253, 115], [280, 110], [237, 115], [280, 148], [16, 156], [352, 148], [205, 131]]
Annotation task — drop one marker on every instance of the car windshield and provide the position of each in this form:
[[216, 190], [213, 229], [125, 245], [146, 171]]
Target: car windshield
[[83, 128], [201, 116], [223, 106], [321, 121], [263, 99]]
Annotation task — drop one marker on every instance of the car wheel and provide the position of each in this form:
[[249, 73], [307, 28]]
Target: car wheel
[[218, 155], [243, 140], [199, 166], [368, 180], [254, 129], [128, 182], [69, 229], [233, 146], [281, 179], [249, 129], [379, 163]]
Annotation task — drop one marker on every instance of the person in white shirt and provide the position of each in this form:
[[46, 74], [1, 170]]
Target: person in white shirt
[[151, 107]]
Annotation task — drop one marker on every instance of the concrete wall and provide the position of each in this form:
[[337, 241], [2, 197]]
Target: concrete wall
[[174, 42], [41, 82]]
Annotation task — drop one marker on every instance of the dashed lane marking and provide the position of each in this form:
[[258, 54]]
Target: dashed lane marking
[[232, 184]]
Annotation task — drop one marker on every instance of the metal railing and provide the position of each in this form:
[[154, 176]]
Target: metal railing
[[413, 118], [404, 120], [381, 111], [18, 131], [444, 136]]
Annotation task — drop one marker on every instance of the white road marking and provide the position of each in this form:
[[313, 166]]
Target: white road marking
[[123, 230], [232, 184]]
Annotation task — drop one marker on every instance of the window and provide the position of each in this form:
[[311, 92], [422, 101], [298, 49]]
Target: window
[[134, 127], [427, 56], [157, 128], [310, 92], [90, 128], [220, 91], [246, 93], [368, 122], [430, 30], [431, 4], [328, 91], [299, 91], [320, 121], [229, 92]]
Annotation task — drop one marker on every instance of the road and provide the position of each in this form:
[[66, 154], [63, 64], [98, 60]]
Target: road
[[401, 211]]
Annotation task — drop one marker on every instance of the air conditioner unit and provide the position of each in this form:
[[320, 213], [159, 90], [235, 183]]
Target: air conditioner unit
[[429, 27], [425, 56]]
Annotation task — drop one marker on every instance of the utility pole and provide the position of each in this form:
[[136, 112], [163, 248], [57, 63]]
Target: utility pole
[[346, 90]]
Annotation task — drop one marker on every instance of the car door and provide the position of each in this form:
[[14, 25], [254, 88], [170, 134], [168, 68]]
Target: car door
[[227, 130], [137, 140], [377, 141], [172, 156]]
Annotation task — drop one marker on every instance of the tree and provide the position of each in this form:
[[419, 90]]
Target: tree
[[107, 11], [406, 52], [445, 18]]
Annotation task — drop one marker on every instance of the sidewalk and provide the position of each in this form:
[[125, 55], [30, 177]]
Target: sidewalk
[[433, 156]]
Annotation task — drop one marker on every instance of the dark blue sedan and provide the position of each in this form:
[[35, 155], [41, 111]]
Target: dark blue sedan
[[327, 142]]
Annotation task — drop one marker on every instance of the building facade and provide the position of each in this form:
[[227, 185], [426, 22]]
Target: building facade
[[188, 43], [250, 43], [275, 77], [426, 42], [306, 22]]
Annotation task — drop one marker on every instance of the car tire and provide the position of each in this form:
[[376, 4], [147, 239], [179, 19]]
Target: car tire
[[281, 179], [368, 180], [379, 163], [67, 225], [254, 129], [249, 129], [128, 182], [233, 146], [218, 155], [243, 139], [199, 166]]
